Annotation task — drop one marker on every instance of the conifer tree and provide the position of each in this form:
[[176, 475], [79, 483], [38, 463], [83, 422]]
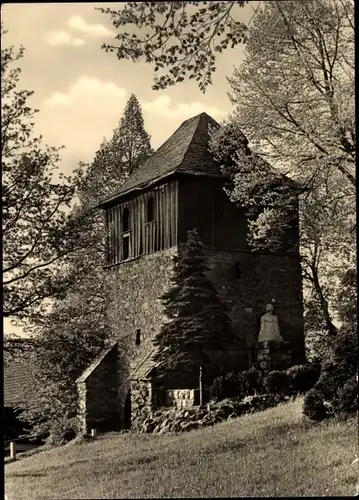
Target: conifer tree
[[198, 320], [77, 327]]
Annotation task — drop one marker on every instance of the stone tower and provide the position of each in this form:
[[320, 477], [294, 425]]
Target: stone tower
[[179, 188]]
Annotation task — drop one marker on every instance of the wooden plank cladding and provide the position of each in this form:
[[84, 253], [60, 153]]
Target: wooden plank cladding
[[151, 222]]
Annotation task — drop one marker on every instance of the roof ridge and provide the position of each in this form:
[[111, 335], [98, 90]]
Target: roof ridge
[[185, 151], [200, 123]]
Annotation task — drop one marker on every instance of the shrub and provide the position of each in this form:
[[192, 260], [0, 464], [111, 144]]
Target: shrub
[[345, 349], [347, 400], [331, 380], [250, 382], [303, 377], [236, 385], [313, 406], [232, 385], [276, 382], [216, 389]]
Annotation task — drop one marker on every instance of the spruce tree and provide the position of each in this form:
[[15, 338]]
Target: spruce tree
[[198, 320], [131, 143], [77, 327]]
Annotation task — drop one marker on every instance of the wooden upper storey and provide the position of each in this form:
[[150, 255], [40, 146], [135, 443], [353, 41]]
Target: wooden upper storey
[[179, 188]]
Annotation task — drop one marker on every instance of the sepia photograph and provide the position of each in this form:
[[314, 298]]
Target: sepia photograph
[[179, 253]]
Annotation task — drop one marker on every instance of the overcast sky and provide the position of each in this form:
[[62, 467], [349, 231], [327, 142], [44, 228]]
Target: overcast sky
[[81, 90]]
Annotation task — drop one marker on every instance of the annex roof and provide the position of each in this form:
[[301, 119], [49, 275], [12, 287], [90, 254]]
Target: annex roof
[[19, 381], [95, 363]]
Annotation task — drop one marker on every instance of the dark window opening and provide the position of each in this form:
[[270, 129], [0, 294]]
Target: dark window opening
[[238, 270], [151, 210], [126, 246], [125, 220], [138, 337]]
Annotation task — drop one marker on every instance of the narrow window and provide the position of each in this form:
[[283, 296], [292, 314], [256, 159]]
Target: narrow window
[[125, 220], [126, 246], [151, 210], [238, 270], [138, 337]]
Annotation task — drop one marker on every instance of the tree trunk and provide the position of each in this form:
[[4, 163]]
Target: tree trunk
[[323, 302]]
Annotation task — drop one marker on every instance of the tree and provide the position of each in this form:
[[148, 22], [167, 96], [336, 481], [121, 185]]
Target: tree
[[197, 318], [268, 197], [77, 327], [294, 101], [183, 37], [37, 233], [116, 159], [65, 344], [294, 91]]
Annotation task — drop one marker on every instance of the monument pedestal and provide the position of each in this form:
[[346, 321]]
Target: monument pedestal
[[271, 355]]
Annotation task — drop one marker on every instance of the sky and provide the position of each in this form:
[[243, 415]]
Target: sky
[[80, 90]]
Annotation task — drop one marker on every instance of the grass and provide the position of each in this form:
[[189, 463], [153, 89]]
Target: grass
[[272, 453]]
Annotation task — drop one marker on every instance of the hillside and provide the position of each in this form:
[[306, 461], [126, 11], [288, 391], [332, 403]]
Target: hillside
[[272, 453]]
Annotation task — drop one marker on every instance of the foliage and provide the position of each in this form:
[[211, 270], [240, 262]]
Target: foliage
[[302, 378], [347, 400], [236, 385], [346, 299], [216, 390], [317, 338], [66, 344], [332, 378], [294, 101], [296, 85], [337, 384], [38, 233], [180, 36], [313, 406], [269, 198], [78, 327], [197, 318], [251, 381], [276, 382], [117, 158], [345, 349]]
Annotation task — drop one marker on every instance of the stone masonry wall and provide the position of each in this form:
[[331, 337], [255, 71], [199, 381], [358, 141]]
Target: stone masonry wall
[[269, 356], [182, 398], [98, 397], [137, 286], [141, 402], [262, 277]]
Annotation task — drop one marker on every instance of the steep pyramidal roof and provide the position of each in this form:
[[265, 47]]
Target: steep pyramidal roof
[[186, 151]]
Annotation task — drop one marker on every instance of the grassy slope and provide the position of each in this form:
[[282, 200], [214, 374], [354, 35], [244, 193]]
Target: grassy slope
[[273, 453]]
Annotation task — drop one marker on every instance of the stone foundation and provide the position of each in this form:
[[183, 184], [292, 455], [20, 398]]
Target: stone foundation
[[141, 402], [269, 356]]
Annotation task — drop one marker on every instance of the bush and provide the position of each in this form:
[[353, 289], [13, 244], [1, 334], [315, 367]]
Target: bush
[[347, 401], [276, 382], [345, 349], [216, 389], [236, 385], [313, 406], [250, 382], [331, 380], [302, 378]]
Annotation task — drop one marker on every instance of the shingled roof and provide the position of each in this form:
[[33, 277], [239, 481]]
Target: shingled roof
[[19, 381], [186, 151]]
